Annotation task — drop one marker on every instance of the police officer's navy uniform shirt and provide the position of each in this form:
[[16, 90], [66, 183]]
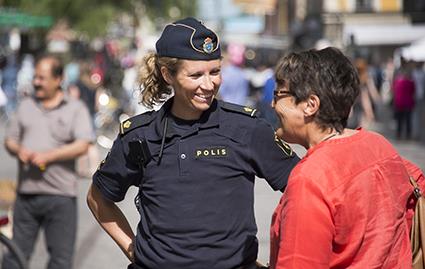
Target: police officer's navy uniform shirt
[[197, 204]]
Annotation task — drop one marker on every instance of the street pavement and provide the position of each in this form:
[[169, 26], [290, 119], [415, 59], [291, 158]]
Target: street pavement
[[95, 250]]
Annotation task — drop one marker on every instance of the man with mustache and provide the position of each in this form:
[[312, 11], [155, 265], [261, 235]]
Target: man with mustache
[[47, 134]]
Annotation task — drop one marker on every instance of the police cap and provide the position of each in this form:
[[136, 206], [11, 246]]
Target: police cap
[[188, 39]]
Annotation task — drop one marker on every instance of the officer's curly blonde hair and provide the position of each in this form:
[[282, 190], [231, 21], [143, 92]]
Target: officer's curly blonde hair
[[154, 89]]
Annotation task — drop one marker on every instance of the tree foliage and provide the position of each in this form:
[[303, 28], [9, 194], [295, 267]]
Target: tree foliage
[[92, 16], [161, 8]]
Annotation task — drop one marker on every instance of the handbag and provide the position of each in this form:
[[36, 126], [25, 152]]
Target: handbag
[[417, 232]]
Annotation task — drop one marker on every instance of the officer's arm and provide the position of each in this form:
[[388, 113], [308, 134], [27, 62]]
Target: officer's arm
[[273, 158], [112, 220]]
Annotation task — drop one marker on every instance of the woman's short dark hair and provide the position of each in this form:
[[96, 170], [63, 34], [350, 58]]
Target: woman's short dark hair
[[326, 73]]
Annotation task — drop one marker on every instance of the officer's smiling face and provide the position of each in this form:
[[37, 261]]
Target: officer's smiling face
[[195, 85]]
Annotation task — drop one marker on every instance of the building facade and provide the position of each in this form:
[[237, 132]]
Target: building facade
[[373, 28]]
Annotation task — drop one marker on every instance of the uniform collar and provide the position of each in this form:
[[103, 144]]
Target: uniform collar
[[209, 119]]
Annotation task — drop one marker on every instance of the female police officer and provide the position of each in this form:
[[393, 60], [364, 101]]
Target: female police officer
[[194, 161]]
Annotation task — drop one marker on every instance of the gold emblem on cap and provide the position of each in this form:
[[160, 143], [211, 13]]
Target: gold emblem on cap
[[127, 124], [208, 46]]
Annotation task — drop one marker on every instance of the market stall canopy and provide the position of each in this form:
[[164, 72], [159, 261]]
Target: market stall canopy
[[415, 52], [389, 34], [14, 18]]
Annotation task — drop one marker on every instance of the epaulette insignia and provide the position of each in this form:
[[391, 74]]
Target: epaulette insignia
[[240, 109], [135, 122], [103, 161], [249, 110], [283, 146], [124, 126], [127, 124]]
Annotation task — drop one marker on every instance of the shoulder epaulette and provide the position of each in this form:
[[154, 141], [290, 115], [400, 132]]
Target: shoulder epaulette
[[135, 122], [252, 112]]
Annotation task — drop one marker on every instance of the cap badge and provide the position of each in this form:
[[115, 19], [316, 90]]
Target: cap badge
[[208, 46]]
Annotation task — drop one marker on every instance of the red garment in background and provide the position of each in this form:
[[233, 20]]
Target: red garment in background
[[404, 93], [344, 207]]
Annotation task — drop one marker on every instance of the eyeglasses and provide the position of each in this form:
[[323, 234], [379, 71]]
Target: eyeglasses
[[277, 94]]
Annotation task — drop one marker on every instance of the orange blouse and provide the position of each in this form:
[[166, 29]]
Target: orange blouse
[[344, 207]]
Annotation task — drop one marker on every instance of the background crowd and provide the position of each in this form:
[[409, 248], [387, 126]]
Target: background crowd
[[106, 81]]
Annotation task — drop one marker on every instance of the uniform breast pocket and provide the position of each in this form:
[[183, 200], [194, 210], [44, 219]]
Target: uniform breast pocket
[[221, 150], [210, 152], [216, 161]]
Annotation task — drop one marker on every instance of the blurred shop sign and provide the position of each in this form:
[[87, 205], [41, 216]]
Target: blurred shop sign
[[257, 6], [14, 18]]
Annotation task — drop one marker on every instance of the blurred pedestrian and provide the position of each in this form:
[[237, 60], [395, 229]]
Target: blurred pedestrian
[[363, 112], [71, 73], [387, 84], [129, 84], [258, 78], [25, 75], [47, 134], [418, 125], [345, 203], [85, 88], [9, 81], [194, 162], [403, 102], [235, 86], [265, 101], [3, 97]]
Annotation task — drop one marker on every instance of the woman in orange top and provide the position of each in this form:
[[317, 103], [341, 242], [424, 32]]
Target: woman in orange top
[[345, 202]]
